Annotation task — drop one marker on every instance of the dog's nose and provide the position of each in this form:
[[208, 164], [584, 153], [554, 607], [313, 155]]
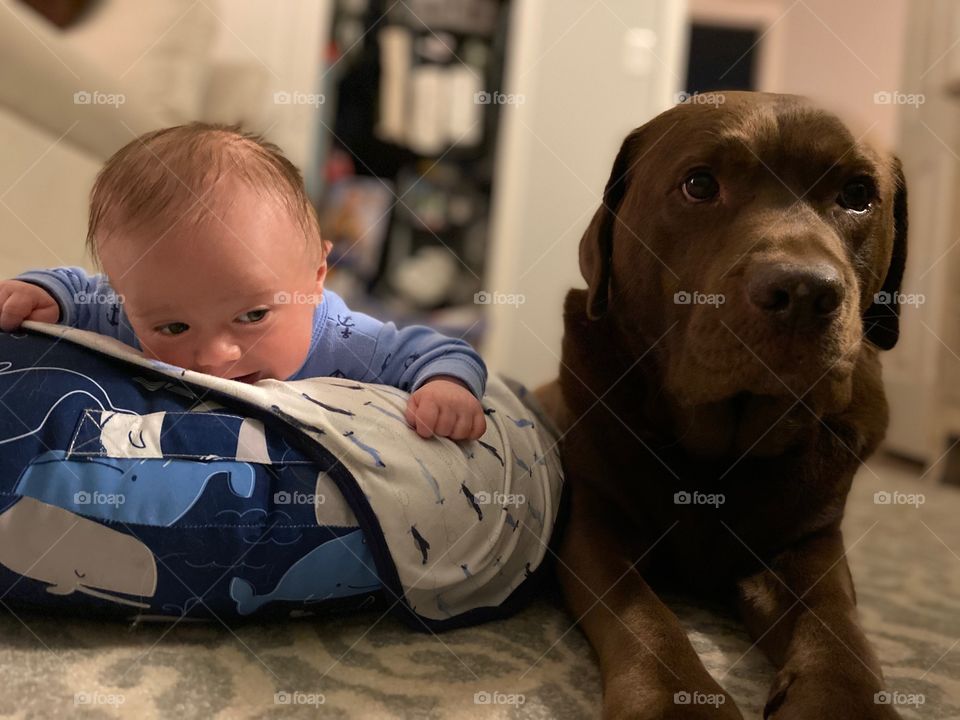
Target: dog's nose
[[796, 294]]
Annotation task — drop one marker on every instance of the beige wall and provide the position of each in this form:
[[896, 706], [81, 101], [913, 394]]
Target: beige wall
[[842, 53]]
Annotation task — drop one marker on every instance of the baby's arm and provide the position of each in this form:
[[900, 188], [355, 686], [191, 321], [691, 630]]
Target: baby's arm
[[79, 300], [445, 376]]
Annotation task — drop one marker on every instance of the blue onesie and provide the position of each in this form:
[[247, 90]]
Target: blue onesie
[[344, 343]]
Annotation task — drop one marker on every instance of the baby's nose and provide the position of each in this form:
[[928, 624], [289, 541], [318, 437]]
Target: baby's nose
[[217, 357]]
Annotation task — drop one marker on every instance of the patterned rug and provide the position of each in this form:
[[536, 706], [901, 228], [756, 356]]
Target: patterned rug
[[905, 559]]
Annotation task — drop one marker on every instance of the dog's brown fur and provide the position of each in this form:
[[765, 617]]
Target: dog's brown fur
[[656, 398]]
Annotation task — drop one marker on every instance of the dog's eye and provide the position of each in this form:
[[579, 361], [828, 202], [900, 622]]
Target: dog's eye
[[700, 186], [857, 194]]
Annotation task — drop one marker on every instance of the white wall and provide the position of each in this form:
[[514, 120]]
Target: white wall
[[583, 91], [267, 51], [161, 58]]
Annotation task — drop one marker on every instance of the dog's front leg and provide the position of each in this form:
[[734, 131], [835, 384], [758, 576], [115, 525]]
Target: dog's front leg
[[802, 612], [650, 670]]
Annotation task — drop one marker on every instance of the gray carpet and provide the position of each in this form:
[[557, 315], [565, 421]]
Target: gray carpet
[[905, 560]]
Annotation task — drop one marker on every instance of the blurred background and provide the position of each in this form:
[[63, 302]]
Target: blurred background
[[456, 149]]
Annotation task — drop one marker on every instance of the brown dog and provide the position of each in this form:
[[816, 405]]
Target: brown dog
[[720, 385]]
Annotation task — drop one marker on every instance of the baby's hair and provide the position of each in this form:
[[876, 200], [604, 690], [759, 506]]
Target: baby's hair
[[173, 170]]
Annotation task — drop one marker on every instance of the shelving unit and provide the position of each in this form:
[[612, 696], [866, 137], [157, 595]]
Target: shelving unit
[[412, 117]]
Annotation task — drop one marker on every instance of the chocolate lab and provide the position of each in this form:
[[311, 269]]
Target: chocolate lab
[[719, 388]]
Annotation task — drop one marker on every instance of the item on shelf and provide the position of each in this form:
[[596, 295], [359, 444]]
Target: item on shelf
[[395, 53], [426, 130], [355, 218], [465, 112], [427, 277], [436, 47]]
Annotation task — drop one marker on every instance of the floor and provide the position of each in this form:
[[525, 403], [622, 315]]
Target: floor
[[905, 560]]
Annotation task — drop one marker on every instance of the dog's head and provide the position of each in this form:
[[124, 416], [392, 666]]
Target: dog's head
[[755, 240]]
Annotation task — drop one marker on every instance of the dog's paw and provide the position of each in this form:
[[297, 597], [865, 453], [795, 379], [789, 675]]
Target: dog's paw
[[800, 696]]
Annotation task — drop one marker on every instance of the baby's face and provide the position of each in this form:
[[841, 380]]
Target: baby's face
[[234, 298]]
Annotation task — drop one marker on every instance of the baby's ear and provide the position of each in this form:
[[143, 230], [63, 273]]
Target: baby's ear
[[321, 275]]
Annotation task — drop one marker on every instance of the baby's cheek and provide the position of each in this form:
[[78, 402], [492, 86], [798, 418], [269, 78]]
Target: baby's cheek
[[287, 346]]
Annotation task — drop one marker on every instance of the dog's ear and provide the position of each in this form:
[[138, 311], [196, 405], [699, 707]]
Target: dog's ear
[[881, 321], [596, 245]]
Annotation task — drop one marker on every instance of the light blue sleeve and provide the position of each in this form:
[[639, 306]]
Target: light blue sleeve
[[87, 302], [357, 346]]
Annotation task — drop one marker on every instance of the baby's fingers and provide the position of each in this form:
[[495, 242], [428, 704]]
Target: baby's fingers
[[463, 428], [425, 417], [13, 310], [410, 414], [479, 426]]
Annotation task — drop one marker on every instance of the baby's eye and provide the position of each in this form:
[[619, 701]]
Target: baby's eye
[[254, 316], [176, 328]]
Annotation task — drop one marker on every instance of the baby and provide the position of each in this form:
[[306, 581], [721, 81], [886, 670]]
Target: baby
[[213, 261]]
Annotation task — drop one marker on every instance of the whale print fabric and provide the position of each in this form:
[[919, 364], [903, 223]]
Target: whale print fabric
[[145, 491]]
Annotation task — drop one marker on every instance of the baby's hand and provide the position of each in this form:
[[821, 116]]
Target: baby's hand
[[443, 406], [21, 301]]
